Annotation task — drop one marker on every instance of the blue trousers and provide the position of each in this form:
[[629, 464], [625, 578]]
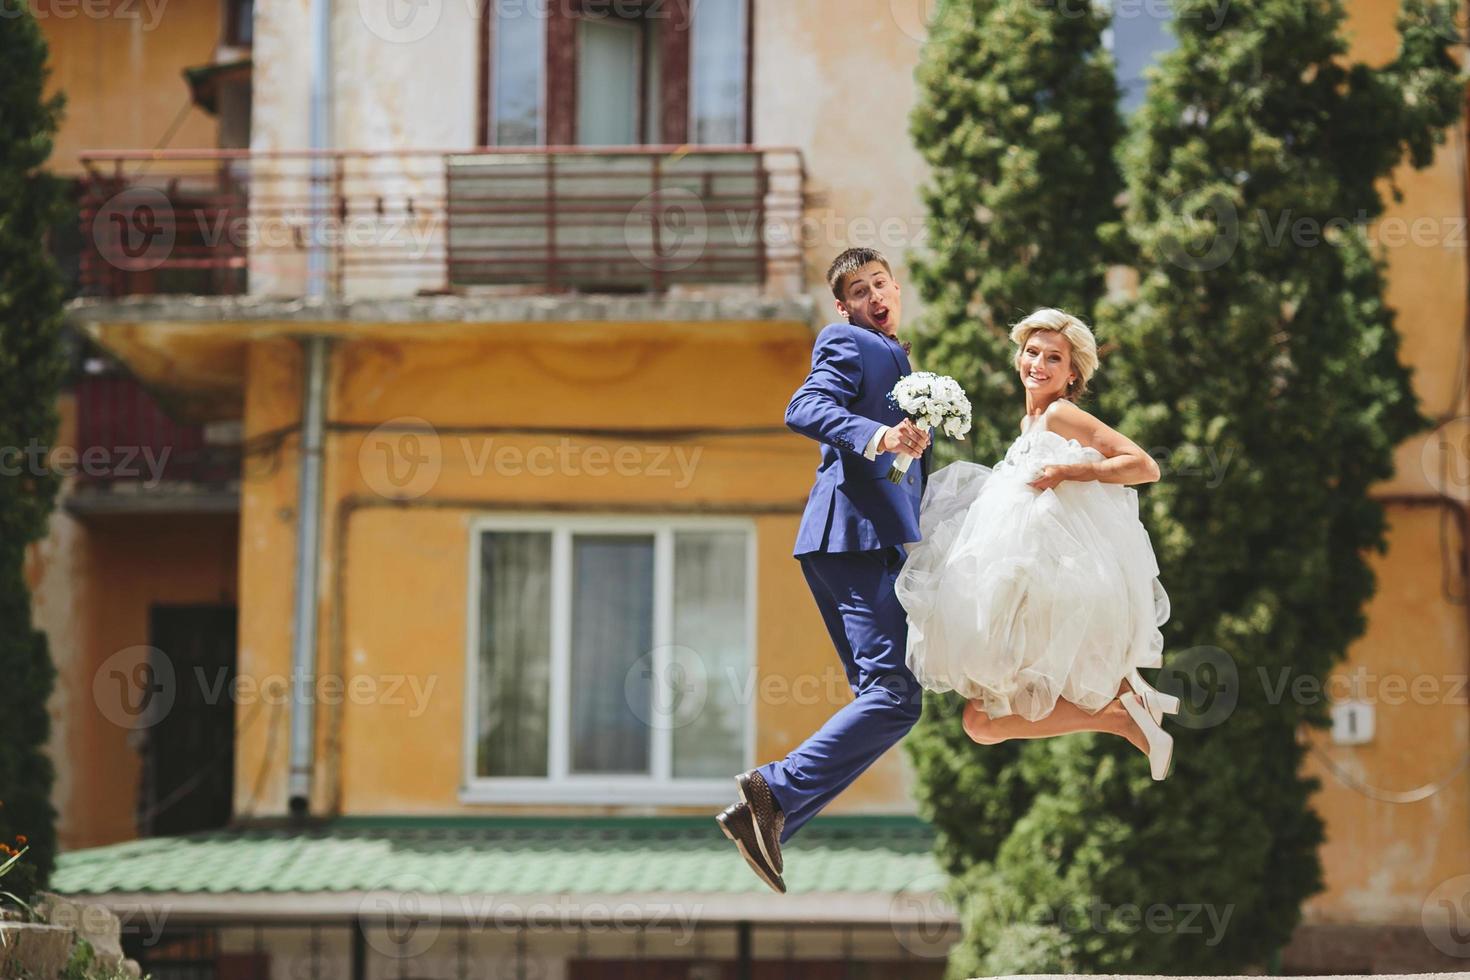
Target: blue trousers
[[854, 592]]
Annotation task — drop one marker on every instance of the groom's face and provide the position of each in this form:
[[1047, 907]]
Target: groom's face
[[871, 299]]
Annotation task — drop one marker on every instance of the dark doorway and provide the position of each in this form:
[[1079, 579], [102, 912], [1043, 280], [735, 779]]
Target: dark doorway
[[189, 756]]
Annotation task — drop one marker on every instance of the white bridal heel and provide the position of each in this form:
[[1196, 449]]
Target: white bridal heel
[[1157, 702], [1160, 742]]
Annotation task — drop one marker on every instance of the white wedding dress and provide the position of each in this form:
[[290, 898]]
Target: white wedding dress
[[1017, 597]]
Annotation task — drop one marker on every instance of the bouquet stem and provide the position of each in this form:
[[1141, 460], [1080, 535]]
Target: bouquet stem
[[901, 465]]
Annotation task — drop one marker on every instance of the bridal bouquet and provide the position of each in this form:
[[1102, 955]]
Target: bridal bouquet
[[931, 401]]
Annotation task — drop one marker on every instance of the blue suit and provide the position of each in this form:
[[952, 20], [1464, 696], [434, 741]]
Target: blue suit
[[850, 545]]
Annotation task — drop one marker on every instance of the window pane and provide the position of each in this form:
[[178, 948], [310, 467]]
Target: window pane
[[1140, 34], [711, 632], [516, 67], [515, 654], [653, 81], [609, 67], [717, 72], [612, 630]]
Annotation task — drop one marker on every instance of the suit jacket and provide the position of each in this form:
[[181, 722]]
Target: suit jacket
[[842, 403]]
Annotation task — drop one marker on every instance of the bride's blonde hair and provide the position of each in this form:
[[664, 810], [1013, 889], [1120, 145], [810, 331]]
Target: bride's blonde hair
[[1078, 337]]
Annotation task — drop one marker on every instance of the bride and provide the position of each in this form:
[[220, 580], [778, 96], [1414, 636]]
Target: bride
[[1034, 592]]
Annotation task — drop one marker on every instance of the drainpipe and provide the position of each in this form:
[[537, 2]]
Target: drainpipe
[[313, 415], [308, 561]]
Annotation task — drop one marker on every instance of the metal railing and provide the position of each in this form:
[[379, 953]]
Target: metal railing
[[407, 222], [125, 437]]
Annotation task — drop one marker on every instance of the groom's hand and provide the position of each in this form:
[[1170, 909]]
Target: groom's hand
[[905, 437]]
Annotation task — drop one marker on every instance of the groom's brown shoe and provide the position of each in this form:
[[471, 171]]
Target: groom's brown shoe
[[767, 815], [736, 823]]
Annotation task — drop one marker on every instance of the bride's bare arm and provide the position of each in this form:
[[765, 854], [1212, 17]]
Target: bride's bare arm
[[1126, 463]]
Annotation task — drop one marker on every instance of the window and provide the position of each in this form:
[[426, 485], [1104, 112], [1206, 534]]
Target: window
[[717, 73], [603, 73], [610, 660], [618, 62], [1139, 35], [516, 65]]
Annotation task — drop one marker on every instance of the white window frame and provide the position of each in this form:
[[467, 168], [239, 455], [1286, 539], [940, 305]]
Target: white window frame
[[561, 785]]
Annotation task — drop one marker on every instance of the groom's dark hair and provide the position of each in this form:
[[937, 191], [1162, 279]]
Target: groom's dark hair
[[849, 262]]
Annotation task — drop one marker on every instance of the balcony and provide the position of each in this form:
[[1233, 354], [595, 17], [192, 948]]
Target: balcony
[[363, 224], [133, 457]]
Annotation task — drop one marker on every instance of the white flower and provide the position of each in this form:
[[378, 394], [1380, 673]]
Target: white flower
[[935, 402]]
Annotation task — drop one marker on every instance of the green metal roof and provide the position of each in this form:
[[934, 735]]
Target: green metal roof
[[507, 856]]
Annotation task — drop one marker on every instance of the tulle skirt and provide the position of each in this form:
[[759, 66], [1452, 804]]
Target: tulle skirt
[[1018, 597]]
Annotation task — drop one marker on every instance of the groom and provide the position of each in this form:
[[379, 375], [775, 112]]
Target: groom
[[850, 545]]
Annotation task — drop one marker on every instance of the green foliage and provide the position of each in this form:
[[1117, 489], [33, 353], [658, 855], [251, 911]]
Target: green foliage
[[1017, 121], [30, 374], [84, 965], [1251, 351]]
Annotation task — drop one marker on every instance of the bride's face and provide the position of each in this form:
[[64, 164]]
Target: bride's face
[[1045, 363]]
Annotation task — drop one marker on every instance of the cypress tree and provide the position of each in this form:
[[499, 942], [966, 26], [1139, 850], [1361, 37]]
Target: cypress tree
[[31, 366], [1261, 364]]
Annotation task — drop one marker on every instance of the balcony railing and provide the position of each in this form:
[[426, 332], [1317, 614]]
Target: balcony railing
[[125, 438], [395, 223]]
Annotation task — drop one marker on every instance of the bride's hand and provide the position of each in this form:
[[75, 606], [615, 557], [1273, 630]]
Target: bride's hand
[[1050, 477]]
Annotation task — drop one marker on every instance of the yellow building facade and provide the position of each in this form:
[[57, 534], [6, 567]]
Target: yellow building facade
[[450, 413]]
